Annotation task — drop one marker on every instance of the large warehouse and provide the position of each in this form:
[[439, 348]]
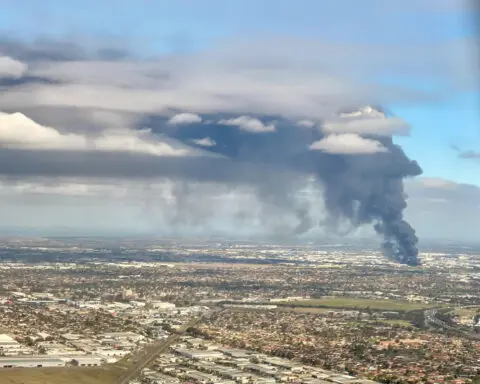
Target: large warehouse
[[9, 346], [30, 362]]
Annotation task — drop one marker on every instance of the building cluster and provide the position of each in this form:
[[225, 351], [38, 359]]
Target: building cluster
[[378, 349], [325, 314], [46, 331], [48, 354], [201, 361]]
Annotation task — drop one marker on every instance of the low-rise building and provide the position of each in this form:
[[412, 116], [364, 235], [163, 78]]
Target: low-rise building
[[87, 361], [31, 362]]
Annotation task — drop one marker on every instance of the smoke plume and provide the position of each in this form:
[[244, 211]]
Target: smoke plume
[[362, 186], [213, 118]]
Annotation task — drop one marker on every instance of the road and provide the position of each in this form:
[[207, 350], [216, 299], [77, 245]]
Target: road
[[152, 351]]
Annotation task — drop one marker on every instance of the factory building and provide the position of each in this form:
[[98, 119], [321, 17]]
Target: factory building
[[122, 336], [199, 355], [162, 305], [9, 346], [30, 362], [87, 361]]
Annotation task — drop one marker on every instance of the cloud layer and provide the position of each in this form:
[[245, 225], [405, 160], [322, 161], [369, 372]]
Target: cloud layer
[[157, 209], [261, 121]]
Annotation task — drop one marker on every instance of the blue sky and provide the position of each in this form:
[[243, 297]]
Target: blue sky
[[152, 27], [435, 128]]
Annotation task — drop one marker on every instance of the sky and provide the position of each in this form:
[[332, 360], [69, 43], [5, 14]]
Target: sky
[[97, 73]]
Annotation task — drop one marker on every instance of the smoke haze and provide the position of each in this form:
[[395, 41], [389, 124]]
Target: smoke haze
[[229, 120]]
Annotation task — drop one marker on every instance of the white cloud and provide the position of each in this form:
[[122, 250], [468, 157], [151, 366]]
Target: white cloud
[[367, 111], [349, 144], [64, 188], [368, 125], [185, 118], [296, 78], [305, 123], [11, 68], [141, 141], [249, 124], [205, 142], [18, 131], [433, 182]]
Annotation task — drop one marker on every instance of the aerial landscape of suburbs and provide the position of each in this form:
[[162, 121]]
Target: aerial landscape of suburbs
[[170, 311], [239, 192]]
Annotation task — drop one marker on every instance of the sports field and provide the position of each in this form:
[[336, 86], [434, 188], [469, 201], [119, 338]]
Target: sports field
[[358, 303]]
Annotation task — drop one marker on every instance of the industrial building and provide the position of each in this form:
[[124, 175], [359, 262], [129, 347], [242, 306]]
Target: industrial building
[[199, 355], [122, 336], [7, 342], [87, 361], [9, 346], [31, 362], [162, 305]]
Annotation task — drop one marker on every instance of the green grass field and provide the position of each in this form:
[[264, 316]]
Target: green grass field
[[356, 303], [108, 374], [465, 312], [69, 375], [303, 310], [401, 323]]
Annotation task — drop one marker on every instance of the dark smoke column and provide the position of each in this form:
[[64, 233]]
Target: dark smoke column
[[363, 188], [400, 241], [369, 189]]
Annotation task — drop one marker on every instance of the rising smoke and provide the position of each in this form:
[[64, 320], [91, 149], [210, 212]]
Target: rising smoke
[[362, 188], [360, 169]]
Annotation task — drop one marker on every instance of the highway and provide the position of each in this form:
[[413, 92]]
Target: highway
[[146, 356]]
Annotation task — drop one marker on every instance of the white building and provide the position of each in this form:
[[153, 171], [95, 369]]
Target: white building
[[122, 336], [71, 336], [9, 346], [162, 305], [199, 355], [86, 361], [7, 342], [30, 362]]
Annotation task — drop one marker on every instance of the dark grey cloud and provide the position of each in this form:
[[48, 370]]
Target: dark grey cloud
[[361, 188], [262, 147], [24, 80], [55, 50], [466, 154], [42, 50], [470, 155], [105, 164]]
